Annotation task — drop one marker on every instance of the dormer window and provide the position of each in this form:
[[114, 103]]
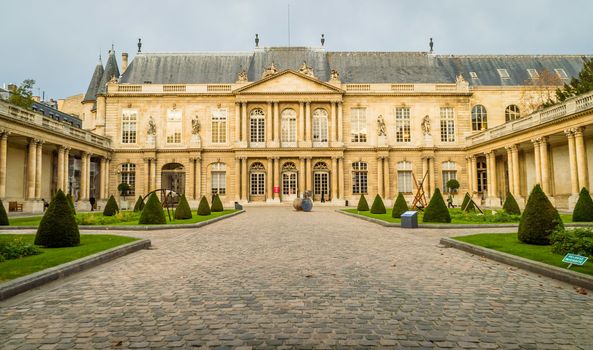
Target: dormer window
[[503, 73], [473, 75], [533, 74], [561, 73]]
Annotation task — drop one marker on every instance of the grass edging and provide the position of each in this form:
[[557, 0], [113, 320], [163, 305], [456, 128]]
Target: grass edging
[[140, 227], [564, 275], [34, 280]]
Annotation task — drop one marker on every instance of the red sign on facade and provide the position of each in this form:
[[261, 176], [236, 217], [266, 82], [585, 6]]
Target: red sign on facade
[[276, 189]]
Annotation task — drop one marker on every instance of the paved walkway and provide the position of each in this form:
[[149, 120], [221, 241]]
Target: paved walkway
[[274, 278]]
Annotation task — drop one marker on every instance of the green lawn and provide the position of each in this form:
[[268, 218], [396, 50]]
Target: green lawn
[[508, 243], [89, 244], [124, 218]]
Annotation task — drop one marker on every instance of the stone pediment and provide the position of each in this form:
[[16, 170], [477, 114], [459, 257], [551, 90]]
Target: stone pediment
[[289, 81]]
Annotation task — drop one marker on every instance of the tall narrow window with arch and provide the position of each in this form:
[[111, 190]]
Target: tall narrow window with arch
[[219, 124], [257, 121], [320, 125], [402, 124], [128, 126], [479, 118], [218, 174], [359, 178], [257, 177], [288, 133], [404, 177], [128, 176], [449, 170], [511, 113]]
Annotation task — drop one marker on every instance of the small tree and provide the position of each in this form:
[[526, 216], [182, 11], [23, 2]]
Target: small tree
[[539, 219], [183, 210], [510, 205], [436, 211], [362, 204], [111, 207], [3, 215], [153, 213], [466, 199], [580, 85], [217, 204], [399, 207], [58, 227], [204, 208], [22, 96], [378, 206], [139, 204], [453, 186], [123, 189], [71, 203], [583, 210]]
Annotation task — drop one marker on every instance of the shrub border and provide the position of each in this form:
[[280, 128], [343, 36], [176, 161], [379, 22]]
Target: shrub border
[[37, 279], [564, 275]]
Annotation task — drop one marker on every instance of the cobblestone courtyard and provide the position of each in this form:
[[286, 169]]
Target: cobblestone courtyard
[[274, 278]]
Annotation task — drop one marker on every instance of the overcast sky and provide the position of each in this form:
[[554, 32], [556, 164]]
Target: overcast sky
[[57, 42]]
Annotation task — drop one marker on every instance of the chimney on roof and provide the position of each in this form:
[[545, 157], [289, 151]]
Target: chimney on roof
[[124, 62]]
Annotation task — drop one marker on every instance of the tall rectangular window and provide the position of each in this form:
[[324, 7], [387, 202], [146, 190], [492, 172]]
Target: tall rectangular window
[[219, 178], [402, 124], [359, 178], [447, 124], [128, 176], [219, 122], [404, 177], [449, 173], [358, 124], [173, 126], [128, 126], [258, 182]]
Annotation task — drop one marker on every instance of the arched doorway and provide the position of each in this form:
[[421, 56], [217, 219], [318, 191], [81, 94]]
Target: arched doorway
[[257, 182], [173, 177], [321, 188], [289, 181]]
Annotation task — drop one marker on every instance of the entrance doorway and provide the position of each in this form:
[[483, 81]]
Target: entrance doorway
[[321, 182], [289, 181], [173, 177]]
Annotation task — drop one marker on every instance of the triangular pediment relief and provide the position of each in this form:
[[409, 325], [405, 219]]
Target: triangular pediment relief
[[289, 81]]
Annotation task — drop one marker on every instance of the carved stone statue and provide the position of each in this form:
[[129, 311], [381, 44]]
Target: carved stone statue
[[270, 70], [195, 126], [334, 75], [459, 79], [426, 125], [306, 70], [381, 129], [242, 77], [151, 127]]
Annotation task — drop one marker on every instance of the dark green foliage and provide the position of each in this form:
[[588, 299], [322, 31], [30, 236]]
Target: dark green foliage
[[583, 210], [71, 203], [123, 189], [216, 204], [539, 219], [378, 206], [362, 204], [399, 207], [139, 204], [580, 85], [510, 205], [22, 96], [470, 207], [204, 208], [111, 208], [436, 211], [453, 185], [466, 200], [16, 248], [577, 241], [183, 210], [58, 227], [3, 215], [153, 213]]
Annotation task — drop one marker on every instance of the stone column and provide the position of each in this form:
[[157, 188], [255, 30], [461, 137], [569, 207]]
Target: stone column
[[474, 172], [332, 122], [340, 123], [302, 176], [301, 122], [492, 200], [244, 122], [581, 153], [103, 177], [386, 178], [3, 155], [544, 165], [516, 174], [277, 177], [31, 170], [269, 180], [536, 156], [198, 179], [308, 121], [38, 166], [238, 122], [341, 178], [84, 178], [380, 176], [468, 166], [244, 179], [276, 124], [238, 179], [510, 167], [572, 159], [431, 177], [60, 165], [334, 179], [146, 175], [308, 174], [156, 180], [66, 185], [269, 124]]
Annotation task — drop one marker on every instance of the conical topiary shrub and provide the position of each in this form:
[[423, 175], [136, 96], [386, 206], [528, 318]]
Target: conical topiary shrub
[[58, 227], [111, 207], [216, 204], [583, 210], [71, 203], [153, 213], [378, 206], [139, 204], [399, 207], [466, 199], [539, 219], [510, 205], [183, 210], [470, 207], [204, 208], [362, 204], [3, 215], [436, 211]]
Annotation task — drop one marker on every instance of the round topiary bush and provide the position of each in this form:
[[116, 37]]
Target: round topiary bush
[[58, 227], [183, 211], [362, 204], [453, 185], [139, 204], [399, 207], [153, 213], [216, 204], [111, 208], [539, 219], [436, 211], [466, 199], [204, 208], [583, 210], [510, 205], [378, 206], [71, 203], [3, 215]]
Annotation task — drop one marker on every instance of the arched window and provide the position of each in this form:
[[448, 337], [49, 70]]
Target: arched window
[[479, 118], [320, 125], [257, 125], [511, 113], [359, 178], [449, 172], [404, 177], [128, 175], [288, 125], [257, 175], [218, 172]]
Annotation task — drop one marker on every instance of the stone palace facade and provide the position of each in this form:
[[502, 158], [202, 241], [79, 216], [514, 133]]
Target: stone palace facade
[[264, 126]]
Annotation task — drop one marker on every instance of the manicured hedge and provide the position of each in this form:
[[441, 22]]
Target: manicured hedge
[[466, 200], [204, 208], [58, 227], [577, 241], [139, 204], [71, 203], [153, 213], [111, 208], [378, 206], [436, 211], [3, 215], [510, 205], [183, 210], [583, 210], [539, 219], [216, 204], [399, 207], [362, 204]]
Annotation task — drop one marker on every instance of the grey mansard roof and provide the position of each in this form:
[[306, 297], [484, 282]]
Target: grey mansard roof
[[111, 70], [91, 92], [353, 67]]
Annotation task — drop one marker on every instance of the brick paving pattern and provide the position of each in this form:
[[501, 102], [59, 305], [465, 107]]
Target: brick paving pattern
[[274, 278]]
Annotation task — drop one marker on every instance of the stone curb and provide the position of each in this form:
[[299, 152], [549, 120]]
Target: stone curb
[[441, 226], [136, 227], [37, 279], [564, 275]]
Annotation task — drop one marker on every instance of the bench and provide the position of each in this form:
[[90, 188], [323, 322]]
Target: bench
[[15, 206]]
